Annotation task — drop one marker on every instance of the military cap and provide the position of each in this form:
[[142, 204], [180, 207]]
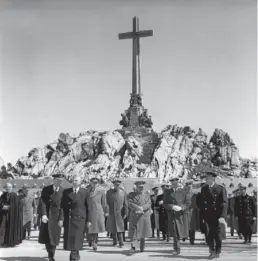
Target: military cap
[[58, 176], [117, 181], [242, 187], [189, 182], [174, 179], [140, 183], [95, 180], [211, 173], [235, 191], [164, 185], [155, 188]]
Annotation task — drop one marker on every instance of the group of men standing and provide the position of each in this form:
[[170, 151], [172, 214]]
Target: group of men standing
[[178, 211]]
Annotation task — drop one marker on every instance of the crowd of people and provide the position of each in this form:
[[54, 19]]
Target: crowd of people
[[85, 211]]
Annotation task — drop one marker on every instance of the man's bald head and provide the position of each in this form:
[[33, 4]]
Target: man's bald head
[[8, 187]]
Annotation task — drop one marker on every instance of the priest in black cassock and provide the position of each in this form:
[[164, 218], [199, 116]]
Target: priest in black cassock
[[10, 218]]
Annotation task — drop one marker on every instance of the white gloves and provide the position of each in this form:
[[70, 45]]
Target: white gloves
[[44, 219], [161, 202], [222, 220], [176, 208]]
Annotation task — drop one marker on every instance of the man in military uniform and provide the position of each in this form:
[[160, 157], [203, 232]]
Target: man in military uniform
[[139, 204], [245, 211], [163, 215], [255, 203], [213, 209], [74, 217], [50, 228], [177, 202], [154, 215], [117, 211]]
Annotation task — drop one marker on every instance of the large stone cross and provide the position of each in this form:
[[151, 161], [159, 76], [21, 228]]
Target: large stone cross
[[135, 35]]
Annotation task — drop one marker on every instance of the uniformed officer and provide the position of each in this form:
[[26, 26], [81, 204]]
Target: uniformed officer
[[139, 204], [213, 209], [177, 202], [117, 209], [49, 209], [255, 203], [245, 211]]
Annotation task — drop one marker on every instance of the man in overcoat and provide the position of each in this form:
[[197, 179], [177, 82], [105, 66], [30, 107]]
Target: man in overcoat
[[255, 203], [177, 202], [74, 217], [163, 215], [213, 209], [96, 201], [50, 211], [117, 212], [139, 204], [245, 211], [232, 222], [155, 214]]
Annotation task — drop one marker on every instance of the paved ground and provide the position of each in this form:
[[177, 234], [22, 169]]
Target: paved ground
[[233, 249]]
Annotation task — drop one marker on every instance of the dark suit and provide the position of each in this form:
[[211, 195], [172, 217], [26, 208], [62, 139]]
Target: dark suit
[[75, 215], [163, 217], [154, 216], [49, 206], [213, 205], [245, 211]]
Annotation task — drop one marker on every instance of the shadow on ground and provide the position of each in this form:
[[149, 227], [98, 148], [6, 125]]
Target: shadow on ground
[[23, 258]]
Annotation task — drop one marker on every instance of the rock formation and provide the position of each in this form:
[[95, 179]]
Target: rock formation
[[178, 152]]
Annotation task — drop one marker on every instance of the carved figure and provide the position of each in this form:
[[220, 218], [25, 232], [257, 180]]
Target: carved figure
[[125, 121]]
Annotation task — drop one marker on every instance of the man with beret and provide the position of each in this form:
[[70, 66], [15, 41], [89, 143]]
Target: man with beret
[[96, 200], [74, 216], [117, 209], [163, 215], [177, 202], [155, 214], [245, 211], [213, 209], [139, 204], [50, 210]]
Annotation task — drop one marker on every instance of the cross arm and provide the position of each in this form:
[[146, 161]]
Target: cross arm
[[123, 36], [145, 33]]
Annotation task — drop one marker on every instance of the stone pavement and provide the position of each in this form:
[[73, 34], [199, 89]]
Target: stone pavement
[[233, 249]]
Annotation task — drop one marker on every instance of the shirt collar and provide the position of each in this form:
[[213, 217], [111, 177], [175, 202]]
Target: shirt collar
[[76, 190], [56, 188], [212, 185]]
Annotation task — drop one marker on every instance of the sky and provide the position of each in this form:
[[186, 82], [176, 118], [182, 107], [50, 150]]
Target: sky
[[63, 69]]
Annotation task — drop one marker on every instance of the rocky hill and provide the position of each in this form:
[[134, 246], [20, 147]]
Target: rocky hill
[[178, 151]]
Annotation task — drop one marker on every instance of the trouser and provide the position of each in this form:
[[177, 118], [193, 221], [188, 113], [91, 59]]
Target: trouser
[[176, 243], [118, 236], [192, 236], [142, 243], [214, 241], [248, 237], [51, 250], [26, 228], [93, 238], [153, 232], [74, 255]]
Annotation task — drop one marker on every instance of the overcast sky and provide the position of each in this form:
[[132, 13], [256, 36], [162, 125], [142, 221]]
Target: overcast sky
[[63, 68]]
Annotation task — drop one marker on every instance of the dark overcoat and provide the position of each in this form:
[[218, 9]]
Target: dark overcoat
[[50, 205], [245, 210], [139, 223], [75, 216], [255, 221], [96, 201], [180, 219], [155, 214], [163, 215], [117, 209], [213, 205], [194, 221], [232, 221]]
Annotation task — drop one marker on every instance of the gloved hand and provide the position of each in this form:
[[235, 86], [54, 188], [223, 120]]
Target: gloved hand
[[44, 219], [176, 208]]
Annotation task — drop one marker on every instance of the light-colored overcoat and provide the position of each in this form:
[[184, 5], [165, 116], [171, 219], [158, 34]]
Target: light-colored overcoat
[[96, 201], [117, 209], [139, 224]]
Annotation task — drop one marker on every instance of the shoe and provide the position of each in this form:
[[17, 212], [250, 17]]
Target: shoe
[[114, 243], [249, 242], [51, 259], [192, 242], [245, 242], [90, 244], [212, 255], [132, 250], [183, 239], [217, 255], [178, 251], [121, 245], [95, 247]]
